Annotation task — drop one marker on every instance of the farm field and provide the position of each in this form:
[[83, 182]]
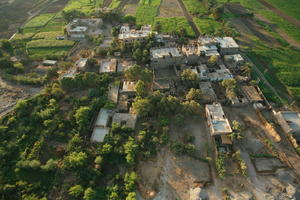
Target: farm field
[[258, 8], [170, 8], [292, 7], [115, 4], [194, 7], [49, 43], [85, 6], [207, 26], [39, 21], [47, 35], [147, 11], [175, 24]]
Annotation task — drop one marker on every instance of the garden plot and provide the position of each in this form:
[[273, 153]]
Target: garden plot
[[170, 8]]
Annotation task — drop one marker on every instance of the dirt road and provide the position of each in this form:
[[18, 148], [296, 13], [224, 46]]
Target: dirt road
[[281, 13], [189, 18]]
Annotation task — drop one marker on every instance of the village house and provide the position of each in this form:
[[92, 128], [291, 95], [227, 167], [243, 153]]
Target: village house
[[81, 64], [128, 35], [101, 125], [125, 119], [225, 45], [128, 88], [78, 28], [252, 94], [166, 57], [213, 74], [108, 66], [208, 93], [290, 123], [234, 61], [49, 62], [192, 53], [113, 92]]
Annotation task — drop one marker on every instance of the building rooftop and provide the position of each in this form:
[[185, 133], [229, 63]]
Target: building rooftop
[[128, 86], [126, 32], [208, 92], [226, 42], [252, 93], [219, 123], [103, 118], [113, 92], [81, 63], [191, 49], [108, 66], [165, 52], [49, 62], [235, 58], [125, 119], [99, 133], [292, 119]]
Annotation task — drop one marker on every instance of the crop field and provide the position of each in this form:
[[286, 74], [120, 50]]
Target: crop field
[[115, 4], [25, 36], [49, 43], [147, 11], [85, 6], [194, 6], [170, 8], [175, 24], [290, 7], [55, 52], [47, 35], [40, 20], [207, 26], [256, 7]]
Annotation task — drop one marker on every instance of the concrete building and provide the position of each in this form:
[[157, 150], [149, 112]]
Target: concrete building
[[234, 61], [100, 127], [128, 88], [78, 28], [218, 124], [252, 94], [49, 62], [166, 57], [125, 119], [81, 64], [113, 92], [227, 45], [107, 66], [208, 74], [290, 123], [192, 53], [128, 35], [208, 92]]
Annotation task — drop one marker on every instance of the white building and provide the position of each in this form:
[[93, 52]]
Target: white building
[[227, 45], [128, 35], [108, 66], [78, 28], [218, 124], [100, 128], [206, 74], [81, 64], [235, 60], [125, 119], [128, 88], [166, 57]]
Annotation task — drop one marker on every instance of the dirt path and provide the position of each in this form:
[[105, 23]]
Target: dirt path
[[189, 18], [281, 13]]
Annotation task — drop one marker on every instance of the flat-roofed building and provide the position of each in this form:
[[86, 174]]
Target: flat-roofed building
[[252, 94], [107, 66], [227, 45], [103, 117], [128, 35], [101, 125], [218, 124], [99, 133], [192, 53], [113, 92], [235, 60], [290, 123], [166, 57], [212, 74], [81, 64], [78, 28], [208, 92], [128, 87], [49, 62], [125, 119]]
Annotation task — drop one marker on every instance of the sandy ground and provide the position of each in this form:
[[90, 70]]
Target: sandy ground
[[170, 8]]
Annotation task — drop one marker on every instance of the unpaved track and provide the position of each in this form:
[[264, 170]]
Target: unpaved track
[[189, 18], [281, 13]]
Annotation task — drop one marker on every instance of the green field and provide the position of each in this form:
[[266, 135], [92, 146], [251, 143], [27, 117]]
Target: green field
[[54, 52], [39, 21], [47, 35], [256, 7], [85, 6], [114, 4], [208, 26], [292, 7], [49, 43], [194, 6], [174, 24], [147, 11]]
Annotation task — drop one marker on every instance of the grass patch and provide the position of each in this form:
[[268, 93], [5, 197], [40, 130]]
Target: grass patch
[[49, 43], [147, 11], [194, 6], [208, 26], [48, 53], [174, 25], [47, 35], [39, 21], [292, 7], [85, 6], [114, 4]]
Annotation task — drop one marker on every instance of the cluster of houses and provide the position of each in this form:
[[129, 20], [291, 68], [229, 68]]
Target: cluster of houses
[[78, 28]]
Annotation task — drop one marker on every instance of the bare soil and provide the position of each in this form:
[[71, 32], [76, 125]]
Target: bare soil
[[170, 8]]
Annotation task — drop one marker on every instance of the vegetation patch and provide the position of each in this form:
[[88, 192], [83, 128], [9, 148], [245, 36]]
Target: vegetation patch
[[84, 6], [208, 26], [49, 43], [40, 20], [174, 25], [194, 7], [147, 11], [115, 4], [292, 7], [47, 35]]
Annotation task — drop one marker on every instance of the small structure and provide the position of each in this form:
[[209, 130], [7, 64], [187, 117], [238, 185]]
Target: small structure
[[227, 45], [49, 62], [166, 57], [161, 85], [208, 92], [235, 60], [123, 103], [290, 123], [217, 122], [128, 88], [267, 165], [124, 65], [78, 28], [100, 127], [252, 94], [113, 92], [81, 64], [128, 35], [108, 66], [125, 119], [192, 53], [209, 74]]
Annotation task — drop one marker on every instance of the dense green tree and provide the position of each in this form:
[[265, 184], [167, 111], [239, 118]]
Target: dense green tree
[[194, 94], [189, 78], [90, 194], [130, 149], [131, 196], [82, 117], [129, 181], [140, 88], [75, 160], [142, 107], [76, 191]]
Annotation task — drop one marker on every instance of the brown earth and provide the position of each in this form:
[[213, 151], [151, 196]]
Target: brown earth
[[170, 8]]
